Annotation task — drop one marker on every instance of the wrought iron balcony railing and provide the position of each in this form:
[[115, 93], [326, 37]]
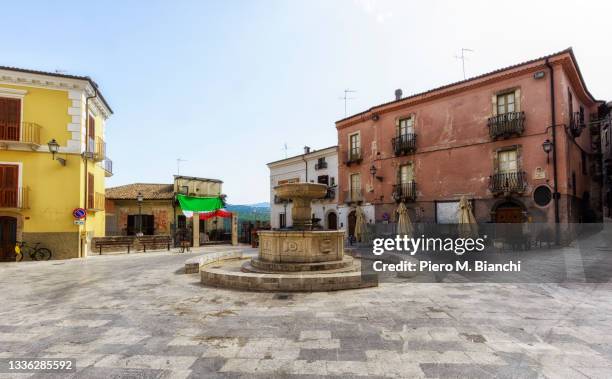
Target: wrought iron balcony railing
[[320, 165], [108, 167], [15, 198], [405, 191], [508, 182], [576, 124], [404, 144], [354, 156], [96, 149], [506, 125], [331, 193], [95, 201], [354, 195], [12, 132]]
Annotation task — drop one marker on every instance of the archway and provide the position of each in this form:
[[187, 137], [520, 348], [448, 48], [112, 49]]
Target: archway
[[508, 211], [8, 237], [352, 220], [332, 221]]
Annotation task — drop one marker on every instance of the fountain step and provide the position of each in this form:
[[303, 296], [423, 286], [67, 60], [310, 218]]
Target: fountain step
[[229, 274], [258, 265]]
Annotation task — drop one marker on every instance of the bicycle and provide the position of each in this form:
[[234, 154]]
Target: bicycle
[[35, 252]]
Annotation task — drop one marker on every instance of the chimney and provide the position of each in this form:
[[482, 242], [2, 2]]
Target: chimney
[[306, 149], [398, 94]]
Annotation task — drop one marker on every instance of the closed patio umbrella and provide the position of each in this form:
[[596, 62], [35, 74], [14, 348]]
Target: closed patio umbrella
[[360, 224], [467, 221], [404, 225]]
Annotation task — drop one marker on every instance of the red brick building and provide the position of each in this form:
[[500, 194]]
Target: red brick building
[[483, 138]]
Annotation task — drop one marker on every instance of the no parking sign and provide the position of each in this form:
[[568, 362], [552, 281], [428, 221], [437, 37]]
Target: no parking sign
[[79, 213]]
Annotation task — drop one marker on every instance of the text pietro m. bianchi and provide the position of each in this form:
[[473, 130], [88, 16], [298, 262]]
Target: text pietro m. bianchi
[[458, 246]]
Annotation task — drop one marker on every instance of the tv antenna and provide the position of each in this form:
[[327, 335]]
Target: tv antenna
[[285, 147], [463, 57], [346, 98], [178, 165]]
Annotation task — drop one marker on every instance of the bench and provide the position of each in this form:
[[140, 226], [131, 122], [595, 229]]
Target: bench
[[159, 241], [113, 242]]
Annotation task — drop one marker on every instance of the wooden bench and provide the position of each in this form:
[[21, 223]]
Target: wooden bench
[[159, 241], [114, 242]]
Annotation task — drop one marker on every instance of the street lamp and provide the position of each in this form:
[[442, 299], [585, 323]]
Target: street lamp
[[54, 148], [373, 171], [547, 146], [139, 199]]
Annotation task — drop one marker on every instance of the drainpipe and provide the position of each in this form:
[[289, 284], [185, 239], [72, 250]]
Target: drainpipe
[[554, 149], [86, 184]]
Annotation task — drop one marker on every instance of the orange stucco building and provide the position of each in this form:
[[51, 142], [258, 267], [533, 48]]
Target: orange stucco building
[[483, 138]]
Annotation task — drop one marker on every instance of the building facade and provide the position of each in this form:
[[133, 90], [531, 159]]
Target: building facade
[[513, 141], [606, 163], [158, 212], [320, 166], [52, 160]]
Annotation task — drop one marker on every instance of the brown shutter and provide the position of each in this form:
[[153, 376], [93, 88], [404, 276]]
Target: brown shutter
[[90, 191], [8, 185], [92, 127], [10, 119]]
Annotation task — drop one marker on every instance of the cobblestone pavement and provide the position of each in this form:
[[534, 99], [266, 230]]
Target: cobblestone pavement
[[139, 316]]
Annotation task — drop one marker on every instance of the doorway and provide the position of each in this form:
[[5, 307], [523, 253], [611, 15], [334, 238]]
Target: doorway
[[332, 221], [352, 220], [133, 225], [8, 238], [509, 213]]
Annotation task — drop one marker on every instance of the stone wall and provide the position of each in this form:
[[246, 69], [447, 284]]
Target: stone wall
[[62, 245]]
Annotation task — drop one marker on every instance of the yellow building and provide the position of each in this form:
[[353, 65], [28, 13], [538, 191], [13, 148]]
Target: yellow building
[[41, 112]]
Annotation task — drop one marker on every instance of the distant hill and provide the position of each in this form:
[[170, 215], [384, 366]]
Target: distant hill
[[251, 212]]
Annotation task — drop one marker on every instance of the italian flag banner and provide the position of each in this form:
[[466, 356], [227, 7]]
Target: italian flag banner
[[217, 213], [207, 207]]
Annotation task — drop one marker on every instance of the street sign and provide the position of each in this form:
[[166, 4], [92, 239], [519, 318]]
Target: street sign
[[79, 222], [79, 213]]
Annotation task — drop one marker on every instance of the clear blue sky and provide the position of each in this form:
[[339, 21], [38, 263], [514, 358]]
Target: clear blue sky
[[225, 84]]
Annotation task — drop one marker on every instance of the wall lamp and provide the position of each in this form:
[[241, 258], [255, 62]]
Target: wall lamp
[[54, 148], [547, 146], [373, 172]]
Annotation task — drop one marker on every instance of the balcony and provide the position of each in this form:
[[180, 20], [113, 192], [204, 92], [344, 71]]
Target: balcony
[[508, 182], [320, 165], [95, 201], [15, 198], [330, 194], [405, 192], [506, 125], [354, 195], [404, 144], [17, 134], [107, 165], [95, 149], [353, 156], [576, 124]]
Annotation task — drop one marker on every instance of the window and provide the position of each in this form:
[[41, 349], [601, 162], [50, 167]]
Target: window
[[570, 104], [507, 161], [90, 191], [332, 181], [355, 184], [354, 144], [321, 161], [406, 174], [584, 163], [505, 103], [406, 126], [91, 131], [10, 119], [323, 179], [9, 177], [574, 183]]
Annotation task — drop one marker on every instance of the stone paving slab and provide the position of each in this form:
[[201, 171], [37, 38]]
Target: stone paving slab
[[137, 316]]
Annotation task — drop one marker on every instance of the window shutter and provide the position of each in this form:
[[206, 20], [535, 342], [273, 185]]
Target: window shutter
[[92, 127], [517, 100], [90, 191], [496, 162], [494, 104]]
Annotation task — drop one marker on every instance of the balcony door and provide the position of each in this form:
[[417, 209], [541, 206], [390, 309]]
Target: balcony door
[[406, 127], [355, 186], [10, 119], [9, 194], [507, 161], [505, 103], [8, 237], [406, 174], [354, 144]]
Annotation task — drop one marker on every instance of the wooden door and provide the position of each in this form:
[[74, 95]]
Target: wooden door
[[352, 221], [332, 221], [8, 237], [10, 119], [9, 194], [512, 215]]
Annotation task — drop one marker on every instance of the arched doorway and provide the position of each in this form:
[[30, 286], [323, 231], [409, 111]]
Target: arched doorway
[[352, 220], [508, 212], [332, 221], [8, 237]]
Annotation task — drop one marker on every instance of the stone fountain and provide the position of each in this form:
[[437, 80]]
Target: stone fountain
[[300, 258]]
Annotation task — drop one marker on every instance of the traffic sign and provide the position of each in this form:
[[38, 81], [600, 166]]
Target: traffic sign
[[79, 213], [79, 222]]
